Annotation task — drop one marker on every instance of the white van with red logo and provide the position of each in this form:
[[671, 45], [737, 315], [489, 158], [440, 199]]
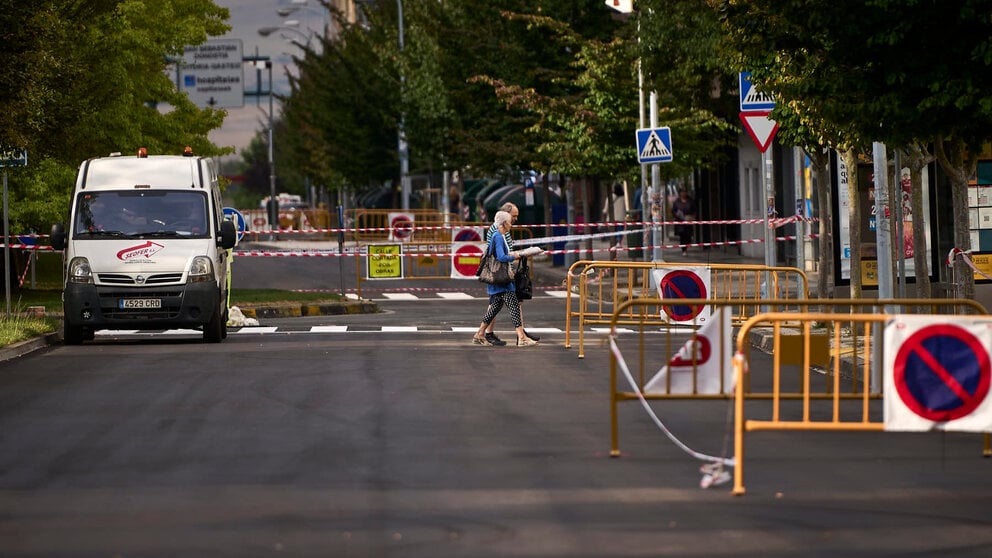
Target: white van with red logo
[[146, 247]]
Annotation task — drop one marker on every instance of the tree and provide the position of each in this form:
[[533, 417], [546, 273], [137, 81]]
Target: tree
[[880, 71], [83, 79]]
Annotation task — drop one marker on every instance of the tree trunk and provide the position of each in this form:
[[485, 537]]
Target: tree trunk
[[854, 219], [546, 181], [959, 164], [917, 157], [821, 162], [892, 184]]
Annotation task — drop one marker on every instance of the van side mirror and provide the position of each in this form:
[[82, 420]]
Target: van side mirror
[[58, 236], [228, 235]]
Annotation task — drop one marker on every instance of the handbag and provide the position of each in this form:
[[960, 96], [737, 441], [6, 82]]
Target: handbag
[[494, 272], [524, 286]]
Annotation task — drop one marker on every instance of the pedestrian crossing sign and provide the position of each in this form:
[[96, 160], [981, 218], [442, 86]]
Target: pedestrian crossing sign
[[751, 98], [654, 145]]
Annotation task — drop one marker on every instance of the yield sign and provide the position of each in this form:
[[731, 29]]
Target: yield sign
[[761, 128]]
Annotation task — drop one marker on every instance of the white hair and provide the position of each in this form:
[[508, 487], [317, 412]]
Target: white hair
[[502, 217]]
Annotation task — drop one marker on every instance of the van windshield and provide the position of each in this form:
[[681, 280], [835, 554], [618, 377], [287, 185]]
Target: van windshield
[[131, 214]]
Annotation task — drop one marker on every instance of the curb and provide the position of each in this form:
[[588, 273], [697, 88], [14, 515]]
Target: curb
[[24, 347], [302, 310], [283, 311]]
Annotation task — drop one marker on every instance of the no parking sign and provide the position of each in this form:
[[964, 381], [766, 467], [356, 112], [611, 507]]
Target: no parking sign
[[688, 282], [937, 374]]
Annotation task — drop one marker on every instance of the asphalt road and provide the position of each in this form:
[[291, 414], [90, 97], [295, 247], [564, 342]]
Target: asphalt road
[[391, 435]]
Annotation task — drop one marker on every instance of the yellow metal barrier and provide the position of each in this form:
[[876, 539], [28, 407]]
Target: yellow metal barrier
[[836, 417], [828, 346], [602, 286]]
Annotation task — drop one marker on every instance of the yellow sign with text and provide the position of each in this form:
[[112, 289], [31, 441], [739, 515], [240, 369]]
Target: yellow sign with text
[[385, 261], [869, 273], [983, 266]]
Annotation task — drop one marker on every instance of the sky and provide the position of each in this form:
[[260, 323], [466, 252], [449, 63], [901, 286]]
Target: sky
[[247, 16]]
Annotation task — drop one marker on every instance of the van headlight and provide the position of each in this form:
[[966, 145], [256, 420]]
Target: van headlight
[[202, 269], [79, 271]]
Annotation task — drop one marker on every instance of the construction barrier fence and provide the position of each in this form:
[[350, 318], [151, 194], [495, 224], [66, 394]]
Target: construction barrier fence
[[825, 372], [603, 286]]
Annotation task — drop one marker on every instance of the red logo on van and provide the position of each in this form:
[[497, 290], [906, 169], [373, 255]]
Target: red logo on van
[[147, 250]]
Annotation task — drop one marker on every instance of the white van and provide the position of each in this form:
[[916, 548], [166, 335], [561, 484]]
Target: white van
[[146, 247]]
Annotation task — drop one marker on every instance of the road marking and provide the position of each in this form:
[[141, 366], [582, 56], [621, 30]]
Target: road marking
[[400, 296], [264, 330], [257, 329], [456, 296]]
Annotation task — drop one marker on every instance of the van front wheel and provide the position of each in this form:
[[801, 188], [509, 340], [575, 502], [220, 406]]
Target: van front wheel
[[213, 331]]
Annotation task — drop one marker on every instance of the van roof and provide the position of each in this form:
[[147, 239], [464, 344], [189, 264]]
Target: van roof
[[157, 171]]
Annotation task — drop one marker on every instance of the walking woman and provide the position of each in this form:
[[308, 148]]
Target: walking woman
[[504, 295]]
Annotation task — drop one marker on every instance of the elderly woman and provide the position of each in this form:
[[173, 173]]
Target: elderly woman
[[504, 295]]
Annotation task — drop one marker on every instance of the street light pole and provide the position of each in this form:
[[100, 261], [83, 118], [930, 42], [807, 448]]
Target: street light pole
[[403, 147], [273, 201]]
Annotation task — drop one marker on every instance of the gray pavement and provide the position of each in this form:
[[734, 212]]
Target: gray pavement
[[367, 443], [422, 445]]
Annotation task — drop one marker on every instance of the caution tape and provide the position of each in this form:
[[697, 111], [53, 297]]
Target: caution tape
[[413, 228], [966, 257], [359, 253], [773, 223]]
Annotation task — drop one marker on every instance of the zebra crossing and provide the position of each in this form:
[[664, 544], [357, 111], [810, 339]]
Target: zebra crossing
[[268, 330], [325, 329], [429, 294]]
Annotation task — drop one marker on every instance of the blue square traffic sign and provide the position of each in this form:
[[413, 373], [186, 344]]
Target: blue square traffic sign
[[752, 99], [654, 145]]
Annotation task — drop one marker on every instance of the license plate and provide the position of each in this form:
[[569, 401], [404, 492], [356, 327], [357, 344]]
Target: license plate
[[141, 303]]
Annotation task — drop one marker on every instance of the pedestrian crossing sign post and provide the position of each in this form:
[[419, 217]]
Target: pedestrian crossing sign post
[[751, 98], [654, 145]]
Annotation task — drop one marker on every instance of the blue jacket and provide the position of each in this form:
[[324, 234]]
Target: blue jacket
[[502, 253]]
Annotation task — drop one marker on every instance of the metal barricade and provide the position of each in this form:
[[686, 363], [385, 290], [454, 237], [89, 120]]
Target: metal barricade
[[828, 356], [603, 286], [823, 410]]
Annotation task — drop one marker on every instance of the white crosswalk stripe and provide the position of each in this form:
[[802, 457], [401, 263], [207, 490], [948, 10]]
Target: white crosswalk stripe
[[257, 329], [442, 295], [263, 330], [456, 296], [400, 296]]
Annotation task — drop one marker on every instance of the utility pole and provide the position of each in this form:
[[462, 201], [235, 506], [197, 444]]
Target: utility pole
[[260, 62], [403, 147]]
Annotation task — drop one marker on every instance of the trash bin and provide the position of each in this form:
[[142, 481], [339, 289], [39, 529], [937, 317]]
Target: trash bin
[[635, 241]]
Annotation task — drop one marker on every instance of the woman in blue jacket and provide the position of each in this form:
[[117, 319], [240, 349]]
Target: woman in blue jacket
[[504, 295]]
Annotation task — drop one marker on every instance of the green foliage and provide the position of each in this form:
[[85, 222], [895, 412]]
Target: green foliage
[[82, 79], [42, 195]]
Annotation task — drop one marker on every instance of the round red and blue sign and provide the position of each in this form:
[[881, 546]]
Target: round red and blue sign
[[942, 372], [682, 284]]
